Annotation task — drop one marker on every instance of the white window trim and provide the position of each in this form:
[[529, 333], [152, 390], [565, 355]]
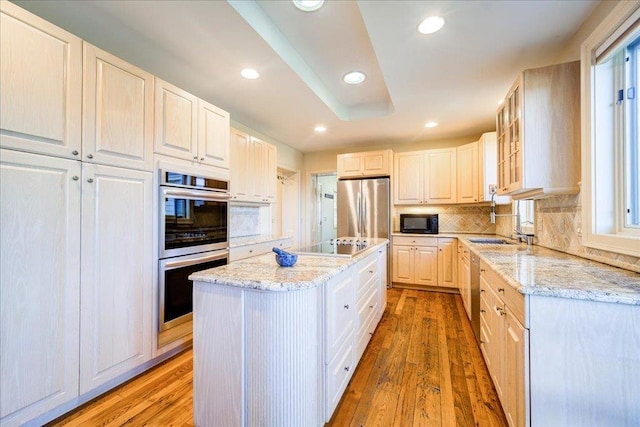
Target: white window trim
[[614, 242]]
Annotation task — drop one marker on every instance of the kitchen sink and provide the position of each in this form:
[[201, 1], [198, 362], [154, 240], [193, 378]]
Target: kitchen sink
[[490, 241]]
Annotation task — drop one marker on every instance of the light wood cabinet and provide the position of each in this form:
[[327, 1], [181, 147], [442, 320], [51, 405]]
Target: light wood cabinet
[[464, 277], [254, 169], [41, 71], [488, 168], [370, 163], [422, 177], [116, 297], [467, 173], [424, 261], [447, 262], [39, 284], [189, 128], [505, 343], [117, 112], [538, 133]]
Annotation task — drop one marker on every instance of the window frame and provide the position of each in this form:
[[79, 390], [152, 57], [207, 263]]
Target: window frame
[[622, 240]]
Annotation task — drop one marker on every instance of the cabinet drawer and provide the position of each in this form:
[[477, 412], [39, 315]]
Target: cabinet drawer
[[367, 310], [338, 373], [340, 313], [509, 295], [415, 241]]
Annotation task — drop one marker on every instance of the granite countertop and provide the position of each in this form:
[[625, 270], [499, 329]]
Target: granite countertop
[[235, 242], [540, 271], [263, 273]]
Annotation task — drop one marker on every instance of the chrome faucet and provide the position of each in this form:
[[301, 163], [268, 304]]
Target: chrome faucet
[[523, 237]]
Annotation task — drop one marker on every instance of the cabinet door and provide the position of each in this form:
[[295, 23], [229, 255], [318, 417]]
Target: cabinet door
[[426, 265], [41, 81], [467, 173], [376, 163], [403, 262], [240, 155], [515, 351], [117, 112], [39, 283], [447, 262], [515, 141], [175, 122], [408, 178], [270, 173], [257, 172], [213, 135], [116, 272], [503, 148], [440, 176], [340, 314], [495, 344], [350, 165]]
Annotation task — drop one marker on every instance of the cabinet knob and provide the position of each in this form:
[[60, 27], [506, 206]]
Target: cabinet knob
[[501, 290], [370, 306], [346, 368], [202, 159], [482, 311], [195, 157], [75, 152], [482, 291], [482, 270], [250, 251], [371, 333], [370, 271], [346, 306], [89, 156], [75, 178], [90, 180]]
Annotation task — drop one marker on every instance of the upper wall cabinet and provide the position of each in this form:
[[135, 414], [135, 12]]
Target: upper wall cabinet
[[370, 163], [467, 173], [41, 96], [538, 132], [488, 168], [425, 177], [254, 170], [118, 112], [189, 128]]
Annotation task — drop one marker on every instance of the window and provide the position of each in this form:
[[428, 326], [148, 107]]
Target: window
[[611, 152]]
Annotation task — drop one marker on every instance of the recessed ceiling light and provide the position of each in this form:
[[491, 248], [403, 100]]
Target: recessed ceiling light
[[354, 77], [431, 25], [320, 129], [250, 73], [308, 5], [431, 124]]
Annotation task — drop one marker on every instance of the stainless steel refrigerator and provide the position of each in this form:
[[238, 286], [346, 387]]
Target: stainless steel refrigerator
[[363, 208]]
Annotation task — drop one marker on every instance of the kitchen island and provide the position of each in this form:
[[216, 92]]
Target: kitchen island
[[277, 345]]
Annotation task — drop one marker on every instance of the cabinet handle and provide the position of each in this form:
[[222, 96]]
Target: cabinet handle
[[501, 290], [75, 152], [202, 159], [370, 271], [195, 157], [90, 180], [250, 251], [346, 306], [482, 291], [371, 333], [370, 306], [346, 368], [482, 311], [75, 178], [89, 156], [482, 270]]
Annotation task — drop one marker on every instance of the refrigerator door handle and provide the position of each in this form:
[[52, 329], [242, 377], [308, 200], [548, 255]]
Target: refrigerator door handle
[[364, 217], [358, 217]]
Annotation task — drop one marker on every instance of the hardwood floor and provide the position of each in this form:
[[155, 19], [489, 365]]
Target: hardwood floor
[[421, 368]]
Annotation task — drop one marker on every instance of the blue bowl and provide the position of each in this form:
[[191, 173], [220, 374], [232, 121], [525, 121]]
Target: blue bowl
[[286, 260]]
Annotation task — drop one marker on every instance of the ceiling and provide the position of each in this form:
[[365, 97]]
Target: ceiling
[[454, 77]]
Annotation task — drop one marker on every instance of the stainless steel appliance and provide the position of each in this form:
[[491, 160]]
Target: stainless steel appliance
[[344, 247], [194, 236], [419, 223], [363, 208], [475, 295]]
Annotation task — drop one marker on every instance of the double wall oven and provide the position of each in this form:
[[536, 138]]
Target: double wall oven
[[194, 236]]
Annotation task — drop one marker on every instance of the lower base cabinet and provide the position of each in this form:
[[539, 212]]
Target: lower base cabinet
[[423, 262]]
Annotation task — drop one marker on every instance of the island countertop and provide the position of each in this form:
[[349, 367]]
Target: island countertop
[[263, 273], [540, 271]]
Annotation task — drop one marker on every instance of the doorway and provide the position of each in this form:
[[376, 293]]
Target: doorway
[[325, 198]]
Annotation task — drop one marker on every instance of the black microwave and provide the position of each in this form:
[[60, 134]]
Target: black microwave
[[419, 223]]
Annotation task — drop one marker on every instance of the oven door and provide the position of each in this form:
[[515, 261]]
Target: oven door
[[176, 290], [192, 221]]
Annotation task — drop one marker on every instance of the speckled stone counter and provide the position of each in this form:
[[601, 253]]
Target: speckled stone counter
[[263, 273], [235, 242], [540, 271]]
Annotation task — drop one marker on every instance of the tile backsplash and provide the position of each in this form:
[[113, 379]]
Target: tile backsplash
[[458, 219], [248, 221], [558, 223]]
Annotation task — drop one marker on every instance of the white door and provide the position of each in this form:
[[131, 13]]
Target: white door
[[39, 283], [116, 309], [117, 112], [41, 81], [213, 135]]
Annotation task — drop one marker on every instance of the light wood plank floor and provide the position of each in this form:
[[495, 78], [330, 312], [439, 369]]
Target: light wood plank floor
[[421, 368]]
